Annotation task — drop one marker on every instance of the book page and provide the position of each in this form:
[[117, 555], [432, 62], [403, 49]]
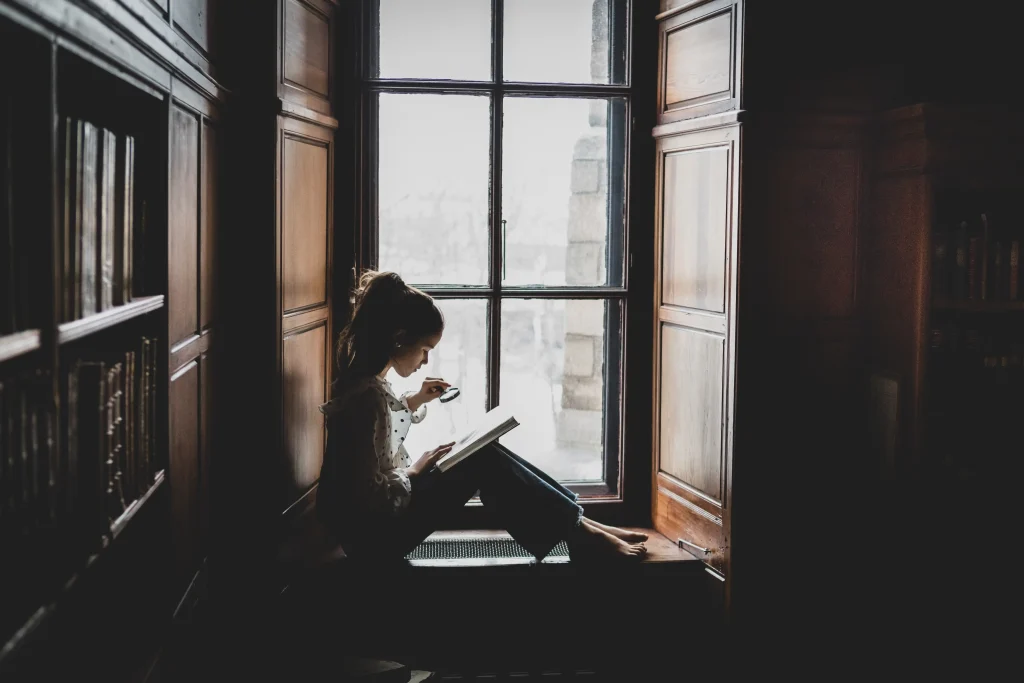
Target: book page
[[492, 425]]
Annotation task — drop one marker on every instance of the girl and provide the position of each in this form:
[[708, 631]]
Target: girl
[[381, 504]]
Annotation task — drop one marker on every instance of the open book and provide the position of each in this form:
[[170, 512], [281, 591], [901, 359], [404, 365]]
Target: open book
[[492, 425]]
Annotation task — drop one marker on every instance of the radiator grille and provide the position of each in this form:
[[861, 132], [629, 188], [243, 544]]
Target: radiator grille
[[477, 549]]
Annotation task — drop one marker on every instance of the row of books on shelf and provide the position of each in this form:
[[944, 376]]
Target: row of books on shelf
[[983, 353], [976, 261], [75, 480], [97, 213], [98, 191]]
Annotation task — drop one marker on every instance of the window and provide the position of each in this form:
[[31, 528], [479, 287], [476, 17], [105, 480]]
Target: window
[[497, 151]]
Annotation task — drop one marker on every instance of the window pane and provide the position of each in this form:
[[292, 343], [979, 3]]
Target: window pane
[[460, 358], [433, 184], [439, 39], [563, 41], [553, 376], [562, 191]]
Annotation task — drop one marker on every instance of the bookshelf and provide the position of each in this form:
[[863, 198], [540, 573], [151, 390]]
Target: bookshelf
[[944, 302], [83, 327]]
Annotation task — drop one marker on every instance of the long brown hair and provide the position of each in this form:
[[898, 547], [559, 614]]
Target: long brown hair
[[386, 314]]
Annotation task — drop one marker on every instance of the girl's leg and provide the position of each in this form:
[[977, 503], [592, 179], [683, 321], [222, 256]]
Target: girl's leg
[[624, 534], [538, 511]]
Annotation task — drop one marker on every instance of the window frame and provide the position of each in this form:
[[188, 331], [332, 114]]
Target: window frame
[[624, 320]]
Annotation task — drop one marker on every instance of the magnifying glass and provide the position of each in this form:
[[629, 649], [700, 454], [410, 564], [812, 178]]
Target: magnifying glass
[[449, 394]]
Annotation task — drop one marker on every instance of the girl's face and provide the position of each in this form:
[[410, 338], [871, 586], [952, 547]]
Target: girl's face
[[412, 357]]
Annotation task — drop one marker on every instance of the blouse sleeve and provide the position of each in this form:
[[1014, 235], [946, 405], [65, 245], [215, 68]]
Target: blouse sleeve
[[414, 416], [385, 487]]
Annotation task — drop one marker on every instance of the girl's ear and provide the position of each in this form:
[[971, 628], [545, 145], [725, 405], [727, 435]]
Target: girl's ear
[[398, 339]]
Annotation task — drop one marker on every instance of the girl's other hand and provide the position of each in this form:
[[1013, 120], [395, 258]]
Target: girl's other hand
[[429, 459]]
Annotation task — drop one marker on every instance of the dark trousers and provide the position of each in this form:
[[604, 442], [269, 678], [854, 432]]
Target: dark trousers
[[534, 508]]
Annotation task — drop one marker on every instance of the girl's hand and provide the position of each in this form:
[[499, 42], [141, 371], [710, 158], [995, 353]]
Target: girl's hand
[[431, 389], [429, 459]]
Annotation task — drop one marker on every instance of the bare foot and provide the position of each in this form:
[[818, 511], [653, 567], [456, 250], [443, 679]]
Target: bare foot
[[589, 541], [624, 534]]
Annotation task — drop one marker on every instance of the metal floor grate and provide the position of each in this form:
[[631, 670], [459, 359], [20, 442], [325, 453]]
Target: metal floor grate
[[477, 549]]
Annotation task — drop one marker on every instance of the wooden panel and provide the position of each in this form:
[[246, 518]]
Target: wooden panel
[[193, 17], [189, 349], [184, 404], [698, 60], [303, 319], [183, 226], [695, 222], [699, 54], [208, 229], [303, 389], [676, 516], [670, 5], [305, 212], [206, 404], [307, 52], [691, 408], [698, 320], [814, 231]]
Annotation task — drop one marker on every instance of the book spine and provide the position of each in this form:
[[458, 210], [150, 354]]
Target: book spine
[[1013, 274], [3, 453], [90, 221], [983, 259], [92, 484], [108, 217], [6, 465], [9, 298], [128, 217], [130, 485], [998, 272], [940, 265], [973, 247], [960, 263]]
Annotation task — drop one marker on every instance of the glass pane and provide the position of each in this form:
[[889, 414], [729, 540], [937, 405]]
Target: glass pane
[[460, 358], [564, 41], [553, 375], [439, 39], [433, 187], [562, 191]]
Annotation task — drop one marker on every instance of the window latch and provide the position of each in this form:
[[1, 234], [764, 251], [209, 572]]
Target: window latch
[[684, 544]]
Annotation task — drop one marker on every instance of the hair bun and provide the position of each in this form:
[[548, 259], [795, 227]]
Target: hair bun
[[375, 284]]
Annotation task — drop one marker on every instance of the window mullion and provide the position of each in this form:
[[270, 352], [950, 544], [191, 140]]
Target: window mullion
[[497, 109]]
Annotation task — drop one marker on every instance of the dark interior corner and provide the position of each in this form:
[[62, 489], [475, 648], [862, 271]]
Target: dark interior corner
[[773, 318]]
